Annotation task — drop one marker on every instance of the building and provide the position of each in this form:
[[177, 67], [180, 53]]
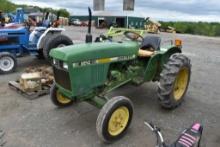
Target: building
[[103, 19]]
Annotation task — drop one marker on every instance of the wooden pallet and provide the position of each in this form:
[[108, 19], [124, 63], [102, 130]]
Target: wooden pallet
[[14, 85]]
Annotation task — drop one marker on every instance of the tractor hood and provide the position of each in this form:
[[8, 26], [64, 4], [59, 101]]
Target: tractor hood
[[12, 29], [83, 52]]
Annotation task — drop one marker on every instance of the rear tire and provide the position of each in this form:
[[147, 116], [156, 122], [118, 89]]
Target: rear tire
[[174, 81], [42, 44], [8, 63], [58, 99], [54, 42], [114, 119]]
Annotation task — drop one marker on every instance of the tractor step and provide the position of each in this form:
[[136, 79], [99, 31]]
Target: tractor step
[[15, 85], [34, 54], [138, 80], [32, 49]]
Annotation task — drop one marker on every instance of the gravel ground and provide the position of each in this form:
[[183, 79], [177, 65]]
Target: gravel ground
[[38, 123]]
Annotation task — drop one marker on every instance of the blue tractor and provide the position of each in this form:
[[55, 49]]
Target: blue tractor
[[18, 41], [17, 18]]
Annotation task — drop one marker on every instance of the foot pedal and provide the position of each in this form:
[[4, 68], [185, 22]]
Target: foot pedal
[[138, 81]]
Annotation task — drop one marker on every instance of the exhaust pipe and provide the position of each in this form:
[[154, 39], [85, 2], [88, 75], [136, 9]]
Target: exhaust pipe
[[58, 15], [89, 35], [46, 16]]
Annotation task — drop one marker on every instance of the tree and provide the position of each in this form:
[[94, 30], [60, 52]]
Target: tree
[[64, 13], [7, 6]]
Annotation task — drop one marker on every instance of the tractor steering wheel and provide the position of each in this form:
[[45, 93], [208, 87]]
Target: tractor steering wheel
[[133, 35]]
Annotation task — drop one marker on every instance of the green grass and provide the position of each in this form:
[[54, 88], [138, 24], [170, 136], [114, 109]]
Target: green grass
[[7, 6]]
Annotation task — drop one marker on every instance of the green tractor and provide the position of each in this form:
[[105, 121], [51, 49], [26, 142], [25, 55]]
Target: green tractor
[[89, 71]]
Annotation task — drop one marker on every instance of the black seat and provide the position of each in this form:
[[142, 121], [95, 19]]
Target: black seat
[[151, 42]]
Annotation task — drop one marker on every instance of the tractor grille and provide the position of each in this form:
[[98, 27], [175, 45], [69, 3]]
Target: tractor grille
[[62, 78]]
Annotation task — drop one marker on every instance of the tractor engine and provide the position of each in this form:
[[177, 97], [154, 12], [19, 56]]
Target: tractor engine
[[124, 70], [117, 71], [10, 37]]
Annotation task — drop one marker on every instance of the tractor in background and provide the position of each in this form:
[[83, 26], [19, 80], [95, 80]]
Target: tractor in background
[[152, 26], [18, 40], [88, 72], [14, 18]]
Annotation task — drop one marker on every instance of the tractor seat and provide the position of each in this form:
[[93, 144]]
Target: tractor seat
[[149, 45]]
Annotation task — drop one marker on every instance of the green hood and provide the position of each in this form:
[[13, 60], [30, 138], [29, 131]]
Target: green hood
[[82, 52]]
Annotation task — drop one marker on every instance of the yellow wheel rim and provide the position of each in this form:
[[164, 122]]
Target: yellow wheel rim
[[62, 99], [118, 121], [180, 84]]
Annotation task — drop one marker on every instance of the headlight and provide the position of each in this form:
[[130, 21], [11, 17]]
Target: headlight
[[178, 42], [65, 65], [54, 61]]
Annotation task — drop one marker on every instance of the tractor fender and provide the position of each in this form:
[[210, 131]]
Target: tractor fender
[[166, 55], [156, 63], [35, 34], [40, 42]]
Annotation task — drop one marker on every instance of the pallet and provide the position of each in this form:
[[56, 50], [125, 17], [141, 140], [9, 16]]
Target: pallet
[[14, 85]]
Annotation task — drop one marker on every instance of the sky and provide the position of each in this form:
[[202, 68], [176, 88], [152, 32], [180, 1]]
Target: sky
[[166, 10]]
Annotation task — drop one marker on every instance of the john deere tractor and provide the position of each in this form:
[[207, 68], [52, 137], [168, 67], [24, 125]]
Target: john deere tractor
[[89, 71]]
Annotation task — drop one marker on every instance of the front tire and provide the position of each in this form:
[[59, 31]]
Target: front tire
[[8, 63], [174, 81], [58, 99], [54, 42], [114, 119]]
